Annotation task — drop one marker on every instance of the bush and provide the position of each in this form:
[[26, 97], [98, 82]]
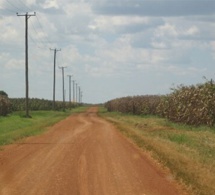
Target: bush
[[4, 105], [2, 93]]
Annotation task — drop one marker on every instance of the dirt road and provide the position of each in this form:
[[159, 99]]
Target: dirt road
[[81, 155]]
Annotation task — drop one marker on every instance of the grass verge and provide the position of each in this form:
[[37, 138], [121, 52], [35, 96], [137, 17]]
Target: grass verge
[[15, 126], [188, 152]]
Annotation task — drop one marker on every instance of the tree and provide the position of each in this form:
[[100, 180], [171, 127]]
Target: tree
[[3, 93], [4, 104]]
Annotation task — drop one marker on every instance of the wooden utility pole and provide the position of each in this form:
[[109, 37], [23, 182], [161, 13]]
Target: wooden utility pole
[[73, 91], [76, 93], [79, 94], [70, 99], [63, 87], [27, 16], [54, 76]]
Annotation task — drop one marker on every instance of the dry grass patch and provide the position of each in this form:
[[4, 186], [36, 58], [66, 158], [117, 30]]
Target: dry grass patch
[[188, 152]]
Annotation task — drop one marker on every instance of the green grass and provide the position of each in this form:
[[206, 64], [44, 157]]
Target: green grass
[[189, 152], [15, 126]]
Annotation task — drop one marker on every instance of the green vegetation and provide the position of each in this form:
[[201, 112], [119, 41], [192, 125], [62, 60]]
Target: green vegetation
[[2, 93], [4, 104], [189, 152], [18, 104], [8, 105], [15, 126]]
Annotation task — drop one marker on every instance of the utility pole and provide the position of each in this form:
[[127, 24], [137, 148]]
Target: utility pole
[[73, 91], [54, 76], [79, 94], [70, 76], [27, 16], [76, 92], [63, 87]]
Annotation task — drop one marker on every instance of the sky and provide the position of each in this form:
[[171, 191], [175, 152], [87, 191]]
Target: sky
[[113, 48]]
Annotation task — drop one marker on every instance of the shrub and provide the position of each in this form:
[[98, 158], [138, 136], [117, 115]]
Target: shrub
[[4, 105]]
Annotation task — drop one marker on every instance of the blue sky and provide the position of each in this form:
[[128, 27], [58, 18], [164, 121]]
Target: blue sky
[[114, 48]]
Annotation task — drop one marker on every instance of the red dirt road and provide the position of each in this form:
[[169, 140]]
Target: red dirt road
[[81, 155]]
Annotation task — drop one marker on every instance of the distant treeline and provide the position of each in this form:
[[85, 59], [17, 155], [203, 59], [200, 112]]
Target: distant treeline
[[192, 105], [18, 104], [8, 105]]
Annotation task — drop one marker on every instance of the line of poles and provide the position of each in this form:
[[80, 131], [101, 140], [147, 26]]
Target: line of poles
[[77, 93]]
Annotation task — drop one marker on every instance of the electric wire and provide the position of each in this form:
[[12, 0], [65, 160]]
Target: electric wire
[[18, 8], [38, 40], [21, 2], [6, 9], [11, 4], [15, 8], [48, 41]]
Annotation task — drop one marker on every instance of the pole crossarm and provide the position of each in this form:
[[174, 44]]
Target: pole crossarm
[[55, 49], [26, 14]]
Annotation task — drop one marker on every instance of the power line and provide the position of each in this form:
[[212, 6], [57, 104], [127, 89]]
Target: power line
[[11, 4], [42, 29], [27, 8], [17, 7], [39, 41], [11, 7], [5, 9]]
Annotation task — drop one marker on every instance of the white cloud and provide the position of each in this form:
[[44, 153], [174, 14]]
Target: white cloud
[[50, 4], [113, 23], [192, 31], [212, 45], [105, 42], [166, 30], [155, 8], [72, 9], [104, 70], [9, 33], [14, 64], [159, 45], [30, 2], [4, 56]]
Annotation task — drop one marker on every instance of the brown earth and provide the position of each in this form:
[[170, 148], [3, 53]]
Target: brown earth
[[81, 155]]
